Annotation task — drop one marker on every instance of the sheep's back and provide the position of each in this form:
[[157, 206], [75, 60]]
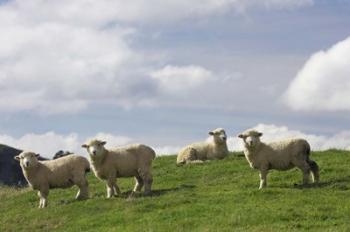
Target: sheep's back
[[61, 171], [128, 160], [281, 154], [290, 146]]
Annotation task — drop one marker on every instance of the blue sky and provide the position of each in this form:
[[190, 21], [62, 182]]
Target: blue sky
[[166, 72]]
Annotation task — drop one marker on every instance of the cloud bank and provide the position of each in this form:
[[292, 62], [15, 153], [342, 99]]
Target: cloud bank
[[177, 80], [49, 143], [340, 140], [61, 56], [324, 81]]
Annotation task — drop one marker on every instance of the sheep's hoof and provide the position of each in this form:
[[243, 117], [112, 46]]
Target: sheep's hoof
[[179, 164], [82, 198], [303, 185], [148, 194]]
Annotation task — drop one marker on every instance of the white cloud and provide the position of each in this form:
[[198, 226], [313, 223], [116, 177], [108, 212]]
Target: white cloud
[[49, 143], [272, 133], [112, 140], [51, 64], [85, 12], [61, 56], [176, 79], [46, 144], [324, 81], [167, 150]]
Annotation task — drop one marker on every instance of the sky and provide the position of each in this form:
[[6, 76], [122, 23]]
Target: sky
[[165, 73]]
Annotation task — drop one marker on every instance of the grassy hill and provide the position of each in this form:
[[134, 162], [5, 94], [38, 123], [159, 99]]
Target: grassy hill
[[215, 196]]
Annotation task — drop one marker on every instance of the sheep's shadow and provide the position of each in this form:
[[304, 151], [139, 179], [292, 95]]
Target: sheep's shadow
[[71, 201], [339, 183], [159, 192], [155, 192]]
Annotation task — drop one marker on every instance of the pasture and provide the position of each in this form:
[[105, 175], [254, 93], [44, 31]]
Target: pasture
[[214, 196]]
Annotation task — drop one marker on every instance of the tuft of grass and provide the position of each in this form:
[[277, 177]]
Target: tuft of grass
[[215, 196]]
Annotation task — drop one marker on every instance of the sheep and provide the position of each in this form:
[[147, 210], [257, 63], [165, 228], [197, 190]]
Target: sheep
[[61, 153], [214, 148], [60, 173], [129, 161], [281, 155]]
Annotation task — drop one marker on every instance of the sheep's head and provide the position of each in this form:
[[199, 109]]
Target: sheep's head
[[27, 159], [95, 147], [219, 135], [251, 138]]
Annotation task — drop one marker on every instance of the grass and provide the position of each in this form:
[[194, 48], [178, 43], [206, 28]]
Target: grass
[[215, 196]]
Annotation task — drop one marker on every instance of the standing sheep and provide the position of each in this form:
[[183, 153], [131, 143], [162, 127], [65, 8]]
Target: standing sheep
[[60, 173], [130, 161], [214, 148], [281, 155]]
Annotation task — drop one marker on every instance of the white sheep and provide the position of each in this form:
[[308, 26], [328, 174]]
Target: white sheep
[[281, 155], [59, 173], [130, 161], [214, 148]]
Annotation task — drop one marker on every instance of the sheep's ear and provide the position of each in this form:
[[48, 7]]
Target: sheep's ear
[[17, 157], [103, 143], [241, 136], [84, 146], [260, 134], [37, 155], [211, 133]]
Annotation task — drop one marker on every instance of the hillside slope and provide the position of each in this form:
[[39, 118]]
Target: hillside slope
[[216, 196]]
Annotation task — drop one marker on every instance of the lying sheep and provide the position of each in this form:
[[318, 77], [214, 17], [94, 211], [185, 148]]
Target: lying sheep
[[130, 161], [60, 173], [214, 148], [282, 155]]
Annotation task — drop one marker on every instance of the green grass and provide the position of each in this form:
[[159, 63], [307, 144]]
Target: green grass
[[215, 196]]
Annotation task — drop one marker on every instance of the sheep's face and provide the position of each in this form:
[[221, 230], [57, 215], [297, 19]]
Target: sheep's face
[[95, 148], [27, 159], [251, 138], [219, 135]]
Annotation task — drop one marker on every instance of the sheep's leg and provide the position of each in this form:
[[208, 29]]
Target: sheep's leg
[[306, 176], [43, 194], [314, 171], [116, 190], [148, 184], [305, 168], [146, 177], [138, 184], [40, 199], [110, 187], [83, 192], [263, 178]]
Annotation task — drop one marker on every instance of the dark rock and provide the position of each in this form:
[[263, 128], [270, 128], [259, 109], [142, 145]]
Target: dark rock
[[10, 170]]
